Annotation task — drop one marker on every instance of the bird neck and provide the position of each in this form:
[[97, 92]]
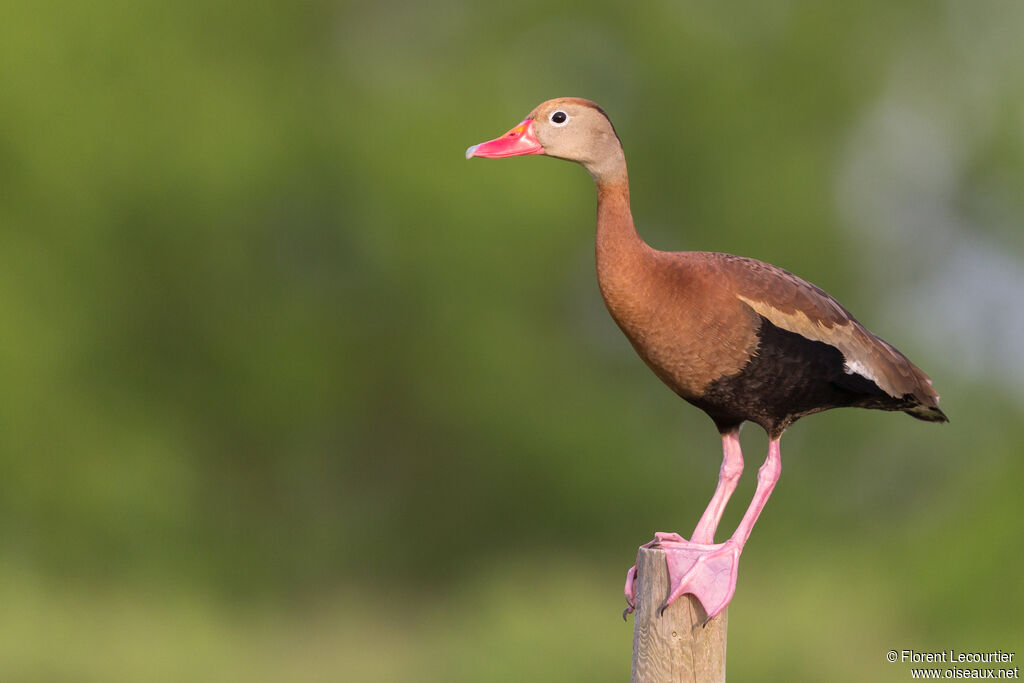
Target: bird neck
[[617, 237], [621, 253]]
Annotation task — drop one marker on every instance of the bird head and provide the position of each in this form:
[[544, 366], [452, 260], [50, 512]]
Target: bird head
[[568, 128]]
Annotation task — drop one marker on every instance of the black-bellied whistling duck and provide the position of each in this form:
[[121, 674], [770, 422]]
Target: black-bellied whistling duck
[[740, 339]]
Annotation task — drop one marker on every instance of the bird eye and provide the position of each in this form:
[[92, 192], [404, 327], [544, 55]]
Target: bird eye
[[559, 118]]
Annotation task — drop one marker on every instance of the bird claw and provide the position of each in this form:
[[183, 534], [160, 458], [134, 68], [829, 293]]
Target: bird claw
[[706, 571], [628, 590], [659, 537]]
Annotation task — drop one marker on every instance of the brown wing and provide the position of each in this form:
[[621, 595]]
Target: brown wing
[[796, 305]]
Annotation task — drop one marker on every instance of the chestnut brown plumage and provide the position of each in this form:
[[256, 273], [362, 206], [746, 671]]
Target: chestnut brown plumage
[[741, 339]]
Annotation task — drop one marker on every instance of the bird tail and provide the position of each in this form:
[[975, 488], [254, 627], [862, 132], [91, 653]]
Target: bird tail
[[927, 413]]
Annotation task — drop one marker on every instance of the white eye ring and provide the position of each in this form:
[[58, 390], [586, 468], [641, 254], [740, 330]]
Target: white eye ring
[[562, 117]]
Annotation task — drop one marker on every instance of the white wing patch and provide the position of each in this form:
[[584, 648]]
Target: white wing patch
[[855, 367]]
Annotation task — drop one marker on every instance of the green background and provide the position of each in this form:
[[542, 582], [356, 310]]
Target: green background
[[291, 391]]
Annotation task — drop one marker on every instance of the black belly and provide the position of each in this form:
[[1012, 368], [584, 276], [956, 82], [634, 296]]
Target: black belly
[[789, 377]]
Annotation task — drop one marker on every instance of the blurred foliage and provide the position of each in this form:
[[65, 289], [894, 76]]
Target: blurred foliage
[[294, 392]]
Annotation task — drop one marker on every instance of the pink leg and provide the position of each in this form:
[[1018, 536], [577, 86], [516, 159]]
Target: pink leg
[[767, 476], [728, 477], [709, 571]]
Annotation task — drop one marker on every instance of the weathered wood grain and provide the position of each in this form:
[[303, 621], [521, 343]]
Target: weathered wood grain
[[674, 647]]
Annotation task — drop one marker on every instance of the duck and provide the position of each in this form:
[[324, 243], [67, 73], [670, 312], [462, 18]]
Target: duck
[[738, 338]]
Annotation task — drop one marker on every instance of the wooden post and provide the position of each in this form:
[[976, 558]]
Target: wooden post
[[675, 646]]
